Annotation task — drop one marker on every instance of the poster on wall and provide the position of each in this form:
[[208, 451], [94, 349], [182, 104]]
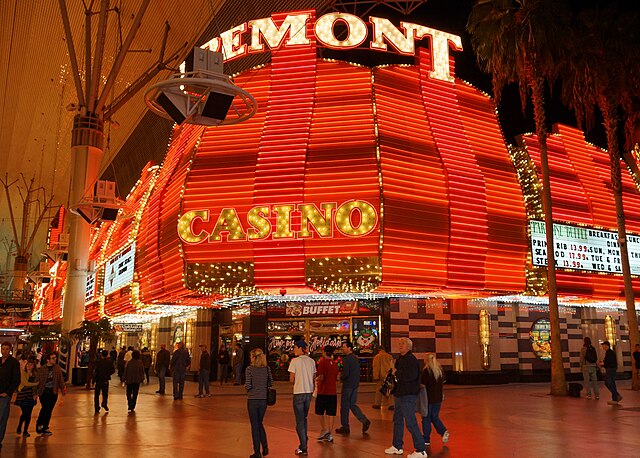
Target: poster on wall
[[583, 248], [118, 271], [540, 336]]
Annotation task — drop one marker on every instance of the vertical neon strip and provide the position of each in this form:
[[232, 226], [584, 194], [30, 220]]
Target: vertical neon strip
[[282, 156]]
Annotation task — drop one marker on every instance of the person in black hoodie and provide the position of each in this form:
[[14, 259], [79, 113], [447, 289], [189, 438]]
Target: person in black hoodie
[[433, 380], [610, 365], [102, 375], [9, 382], [407, 372]]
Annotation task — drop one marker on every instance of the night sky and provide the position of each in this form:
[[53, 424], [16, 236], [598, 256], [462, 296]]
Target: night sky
[[451, 16]]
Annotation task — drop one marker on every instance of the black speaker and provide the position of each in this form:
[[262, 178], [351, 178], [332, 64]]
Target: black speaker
[[170, 108], [86, 216], [109, 214], [217, 106]]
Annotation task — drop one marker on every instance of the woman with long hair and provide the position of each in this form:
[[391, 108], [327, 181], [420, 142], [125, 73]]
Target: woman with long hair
[[258, 380], [26, 397], [433, 379]]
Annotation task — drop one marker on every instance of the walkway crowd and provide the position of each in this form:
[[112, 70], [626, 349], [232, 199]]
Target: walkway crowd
[[401, 386]]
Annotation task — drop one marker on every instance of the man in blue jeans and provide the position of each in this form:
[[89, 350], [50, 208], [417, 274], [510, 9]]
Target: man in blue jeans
[[302, 371], [350, 382], [407, 372], [610, 364], [9, 382]]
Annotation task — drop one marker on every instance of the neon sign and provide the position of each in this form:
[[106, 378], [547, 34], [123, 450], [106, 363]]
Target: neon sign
[[354, 218], [251, 37]]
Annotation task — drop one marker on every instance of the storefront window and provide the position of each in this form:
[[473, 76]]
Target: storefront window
[[540, 336]]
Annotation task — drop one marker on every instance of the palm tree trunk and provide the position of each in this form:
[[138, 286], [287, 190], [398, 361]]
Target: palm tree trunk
[[611, 127], [558, 380]]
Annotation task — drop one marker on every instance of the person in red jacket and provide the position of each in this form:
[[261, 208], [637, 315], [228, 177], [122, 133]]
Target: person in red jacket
[[327, 399]]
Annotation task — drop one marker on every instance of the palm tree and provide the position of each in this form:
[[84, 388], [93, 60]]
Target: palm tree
[[602, 70], [95, 331], [518, 41]]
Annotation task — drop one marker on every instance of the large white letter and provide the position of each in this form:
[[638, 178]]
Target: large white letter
[[439, 48], [356, 30], [383, 28], [295, 26], [232, 45]]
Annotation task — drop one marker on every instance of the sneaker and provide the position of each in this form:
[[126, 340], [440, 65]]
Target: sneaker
[[612, 403], [265, 451], [255, 455], [445, 437], [328, 438], [343, 430], [365, 426], [46, 432], [105, 407], [589, 396], [377, 407], [597, 397], [19, 430], [26, 434], [417, 454], [322, 435], [199, 396], [208, 395], [619, 398], [38, 429], [299, 451], [394, 451], [427, 444]]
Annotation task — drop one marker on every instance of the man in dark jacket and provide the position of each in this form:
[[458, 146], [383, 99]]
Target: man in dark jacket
[[113, 355], [350, 382], [407, 372], [121, 363], [9, 382], [203, 375], [180, 361], [163, 359], [610, 364], [102, 375]]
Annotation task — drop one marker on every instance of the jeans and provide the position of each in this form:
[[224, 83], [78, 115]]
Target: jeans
[[348, 402], [405, 412], [237, 369], [5, 404], [257, 408], [610, 382], [590, 377], [203, 381], [224, 372], [301, 404], [48, 401], [132, 395], [178, 384], [432, 417], [162, 372], [101, 387]]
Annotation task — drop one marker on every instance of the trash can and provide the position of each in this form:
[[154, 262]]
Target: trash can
[[79, 375]]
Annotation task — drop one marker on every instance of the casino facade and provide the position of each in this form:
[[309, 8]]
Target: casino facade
[[363, 203]]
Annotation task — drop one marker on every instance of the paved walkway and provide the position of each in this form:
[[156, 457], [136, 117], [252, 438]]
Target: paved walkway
[[518, 420]]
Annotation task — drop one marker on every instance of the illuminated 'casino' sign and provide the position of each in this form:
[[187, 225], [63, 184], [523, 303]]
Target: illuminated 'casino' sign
[[292, 30], [354, 218]]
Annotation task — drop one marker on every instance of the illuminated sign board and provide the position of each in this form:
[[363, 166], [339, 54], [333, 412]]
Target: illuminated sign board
[[128, 327], [354, 218], [583, 248], [90, 289], [291, 30], [118, 271], [321, 308]]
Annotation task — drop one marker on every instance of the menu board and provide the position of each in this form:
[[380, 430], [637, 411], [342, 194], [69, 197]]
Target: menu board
[[90, 289], [118, 270], [583, 248]]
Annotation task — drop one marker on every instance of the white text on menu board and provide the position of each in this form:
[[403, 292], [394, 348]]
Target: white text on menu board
[[584, 248]]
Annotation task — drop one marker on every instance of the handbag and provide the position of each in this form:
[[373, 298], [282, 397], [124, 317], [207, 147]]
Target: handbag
[[422, 404], [271, 396], [389, 384]]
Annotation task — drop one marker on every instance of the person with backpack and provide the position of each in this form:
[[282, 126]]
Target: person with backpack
[[589, 366]]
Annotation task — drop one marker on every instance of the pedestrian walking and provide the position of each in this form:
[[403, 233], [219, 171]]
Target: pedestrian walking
[[327, 399], [258, 380], [302, 371], [163, 360], [610, 366], [223, 364], [26, 397], [180, 361], [433, 379], [407, 372], [102, 374], [50, 384], [113, 355], [203, 375], [382, 363], [128, 355], [145, 356], [133, 377], [238, 364], [9, 382], [589, 367], [636, 359], [350, 382], [123, 351]]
